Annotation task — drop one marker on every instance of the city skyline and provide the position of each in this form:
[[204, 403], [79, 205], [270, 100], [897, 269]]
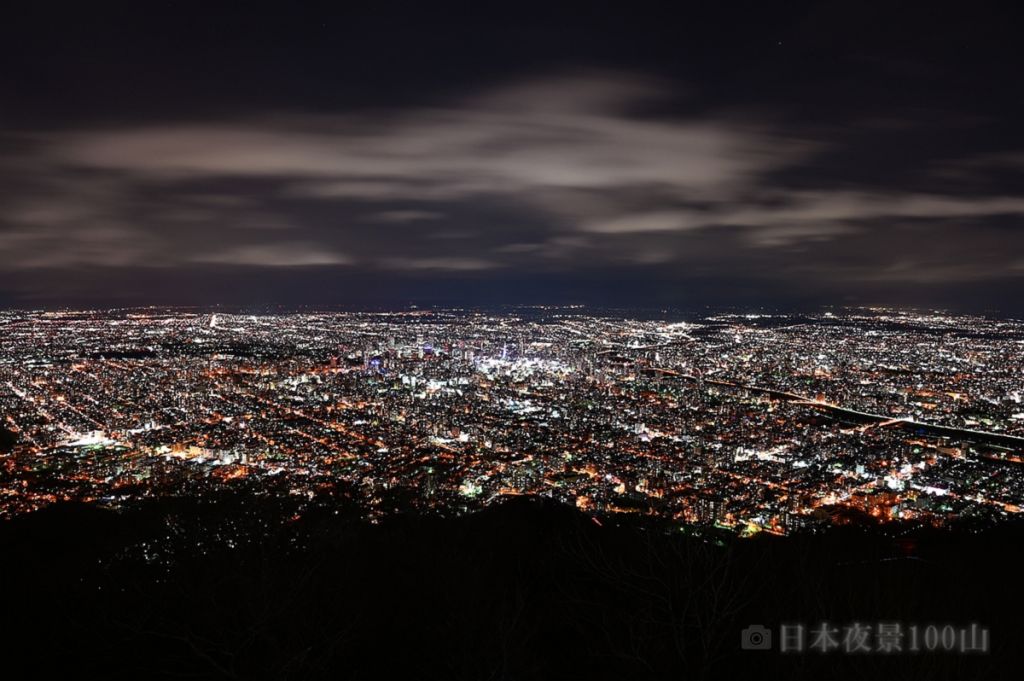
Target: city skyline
[[739, 423]]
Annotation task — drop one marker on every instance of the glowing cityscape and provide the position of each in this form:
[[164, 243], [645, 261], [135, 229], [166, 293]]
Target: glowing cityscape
[[743, 422]]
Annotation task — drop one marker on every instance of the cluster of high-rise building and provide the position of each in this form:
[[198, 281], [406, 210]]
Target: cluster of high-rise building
[[753, 423]]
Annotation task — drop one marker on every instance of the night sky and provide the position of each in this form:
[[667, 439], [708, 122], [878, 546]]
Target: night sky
[[761, 154]]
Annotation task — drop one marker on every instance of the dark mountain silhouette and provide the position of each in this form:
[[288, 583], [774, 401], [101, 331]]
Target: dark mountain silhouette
[[235, 587]]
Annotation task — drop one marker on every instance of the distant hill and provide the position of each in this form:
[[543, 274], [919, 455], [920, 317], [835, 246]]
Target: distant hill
[[522, 590]]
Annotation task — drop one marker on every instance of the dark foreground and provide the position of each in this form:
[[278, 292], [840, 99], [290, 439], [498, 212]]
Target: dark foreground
[[222, 589]]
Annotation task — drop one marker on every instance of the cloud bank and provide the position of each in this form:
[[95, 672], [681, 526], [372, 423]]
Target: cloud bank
[[579, 171]]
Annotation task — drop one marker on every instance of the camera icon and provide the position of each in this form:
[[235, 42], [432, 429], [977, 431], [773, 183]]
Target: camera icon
[[756, 637]]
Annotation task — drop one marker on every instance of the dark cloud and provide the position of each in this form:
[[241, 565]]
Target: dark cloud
[[735, 160]]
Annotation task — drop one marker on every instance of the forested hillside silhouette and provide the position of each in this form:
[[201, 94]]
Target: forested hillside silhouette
[[237, 587]]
